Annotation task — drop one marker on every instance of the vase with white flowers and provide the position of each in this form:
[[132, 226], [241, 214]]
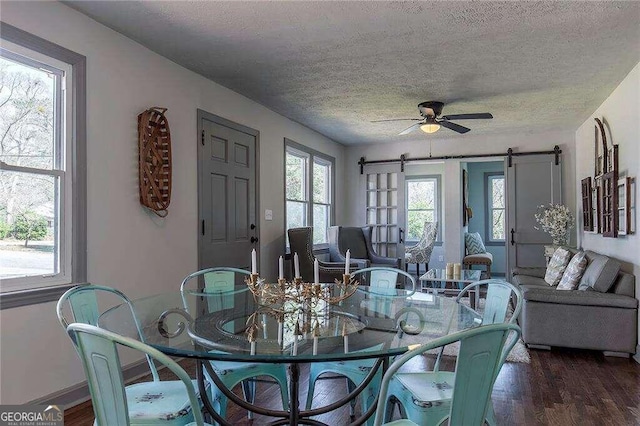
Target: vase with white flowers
[[556, 220]]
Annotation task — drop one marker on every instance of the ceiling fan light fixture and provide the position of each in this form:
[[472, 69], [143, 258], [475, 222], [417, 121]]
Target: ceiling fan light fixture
[[430, 127]]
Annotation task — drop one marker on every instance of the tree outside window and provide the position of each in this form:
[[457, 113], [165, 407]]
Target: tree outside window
[[33, 180], [497, 207], [308, 190], [422, 205]]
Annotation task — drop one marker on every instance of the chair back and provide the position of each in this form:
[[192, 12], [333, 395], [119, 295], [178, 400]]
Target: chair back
[[381, 281], [352, 238], [218, 284], [99, 354], [83, 302], [301, 242], [477, 367], [499, 294]]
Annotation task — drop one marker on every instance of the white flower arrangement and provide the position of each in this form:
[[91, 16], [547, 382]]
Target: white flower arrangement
[[556, 220]]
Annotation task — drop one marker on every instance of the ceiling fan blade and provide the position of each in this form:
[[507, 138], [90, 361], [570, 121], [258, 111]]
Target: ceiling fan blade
[[410, 129], [453, 126], [397, 119], [476, 116]]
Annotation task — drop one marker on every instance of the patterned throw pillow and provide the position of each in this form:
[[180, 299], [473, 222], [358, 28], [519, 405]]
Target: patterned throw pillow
[[474, 244], [574, 271], [557, 265]]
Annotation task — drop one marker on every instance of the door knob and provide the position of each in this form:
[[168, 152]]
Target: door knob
[[253, 226], [254, 240], [513, 242]]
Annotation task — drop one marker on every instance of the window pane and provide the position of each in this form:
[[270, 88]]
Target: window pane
[[26, 115], [28, 225], [296, 214], [320, 223], [421, 194], [296, 172], [415, 223], [497, 225], [497, 192], [321, 182]]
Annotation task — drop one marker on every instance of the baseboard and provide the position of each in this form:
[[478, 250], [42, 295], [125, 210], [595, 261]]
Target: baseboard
[[637, 355], [79, 393]]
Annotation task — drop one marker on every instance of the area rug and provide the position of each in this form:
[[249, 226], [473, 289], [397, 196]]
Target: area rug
[[519, 353]]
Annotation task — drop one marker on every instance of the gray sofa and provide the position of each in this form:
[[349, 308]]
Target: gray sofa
[[602, 314]]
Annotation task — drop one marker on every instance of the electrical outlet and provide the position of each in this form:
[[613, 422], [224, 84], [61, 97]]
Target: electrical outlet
[[440, 258]]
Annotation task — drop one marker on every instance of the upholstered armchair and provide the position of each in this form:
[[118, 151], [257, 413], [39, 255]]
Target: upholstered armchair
[[358, 240], [301, 242], [421, 252]]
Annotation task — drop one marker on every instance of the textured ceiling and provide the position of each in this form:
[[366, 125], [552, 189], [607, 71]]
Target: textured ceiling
[[334, 66]]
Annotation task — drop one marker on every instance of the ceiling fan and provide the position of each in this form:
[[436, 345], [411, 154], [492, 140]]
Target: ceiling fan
[[432, 119]]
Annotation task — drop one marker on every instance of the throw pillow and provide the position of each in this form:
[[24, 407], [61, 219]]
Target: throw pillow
[[473, 243], [574, 271], [557, 265], [601, 272]]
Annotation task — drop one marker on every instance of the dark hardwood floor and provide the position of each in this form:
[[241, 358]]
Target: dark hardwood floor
[[561, 387]]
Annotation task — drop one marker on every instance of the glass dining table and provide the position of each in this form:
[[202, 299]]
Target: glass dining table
[[236, 326]]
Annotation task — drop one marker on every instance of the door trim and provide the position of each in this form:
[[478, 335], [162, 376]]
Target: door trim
[[202, 115]]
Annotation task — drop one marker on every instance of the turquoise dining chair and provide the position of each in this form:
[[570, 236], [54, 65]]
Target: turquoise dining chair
[[498, 296], [117, 405], [382, 288], [218, 286], [83, 303], [466, 392]]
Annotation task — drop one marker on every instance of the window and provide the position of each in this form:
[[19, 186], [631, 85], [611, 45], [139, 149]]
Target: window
[[423, 205], [496, 208], [308, 190], [42, 173]]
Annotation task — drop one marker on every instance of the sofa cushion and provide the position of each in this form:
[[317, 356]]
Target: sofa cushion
[[625, 284], [557, 265], [473, 243], [578, 297], [601, 272], [534, 271], [574, 271], [529, 280]]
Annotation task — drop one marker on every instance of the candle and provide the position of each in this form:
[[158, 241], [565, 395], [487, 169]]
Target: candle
[[296, 266], [316, 271], [281, 268], [315, 345], [449, 269], [254, 262], [253, 347], [295, 346], [347, 262], [264, 326], [457, 268], [346, 343]]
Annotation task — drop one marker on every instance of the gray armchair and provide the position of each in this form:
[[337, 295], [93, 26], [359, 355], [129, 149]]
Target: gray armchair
[[421, 252], [358, 240], [301, 242]]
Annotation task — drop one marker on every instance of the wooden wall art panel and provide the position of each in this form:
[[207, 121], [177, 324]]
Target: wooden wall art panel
[[154, 160]]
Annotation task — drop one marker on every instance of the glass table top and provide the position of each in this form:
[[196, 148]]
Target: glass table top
[[233, 325], [466, 276]]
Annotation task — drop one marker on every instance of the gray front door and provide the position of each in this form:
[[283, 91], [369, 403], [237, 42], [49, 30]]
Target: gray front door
[[532, 181], [227, 208]]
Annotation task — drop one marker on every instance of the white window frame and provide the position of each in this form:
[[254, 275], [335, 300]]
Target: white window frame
[[437, 210], [489, 177], [69, 168], [312, 157]]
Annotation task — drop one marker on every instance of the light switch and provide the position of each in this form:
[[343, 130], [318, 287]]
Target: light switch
[[268, 214]]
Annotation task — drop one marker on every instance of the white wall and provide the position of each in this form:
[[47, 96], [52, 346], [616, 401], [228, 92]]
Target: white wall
[[468, 144], [129, 248], [621, 112]]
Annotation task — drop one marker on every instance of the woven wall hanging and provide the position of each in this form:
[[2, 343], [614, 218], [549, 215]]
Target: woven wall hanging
[[154, 160]]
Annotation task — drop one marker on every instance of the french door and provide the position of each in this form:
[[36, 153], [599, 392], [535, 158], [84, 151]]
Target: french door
[[384, 191]]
